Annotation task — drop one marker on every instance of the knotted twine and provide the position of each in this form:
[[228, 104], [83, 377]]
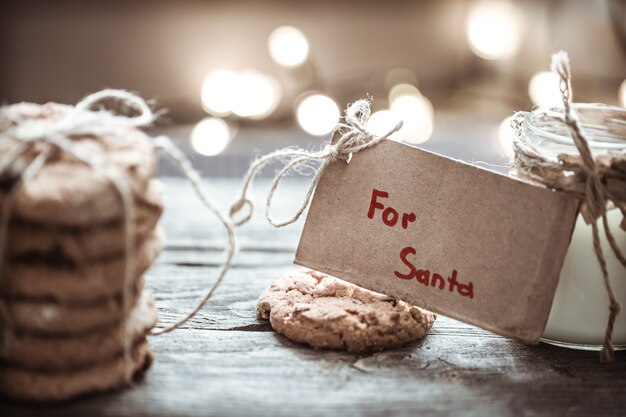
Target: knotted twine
[[594, 181], [56, 135], [349, 137]]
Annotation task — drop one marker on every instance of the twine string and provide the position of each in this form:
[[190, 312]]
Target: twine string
[[595, 201], [353, 137], [164, 144]]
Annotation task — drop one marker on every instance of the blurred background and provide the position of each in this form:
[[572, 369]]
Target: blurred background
[[240, 78]]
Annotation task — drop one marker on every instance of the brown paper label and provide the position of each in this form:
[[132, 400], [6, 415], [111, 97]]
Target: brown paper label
[[447, 236]]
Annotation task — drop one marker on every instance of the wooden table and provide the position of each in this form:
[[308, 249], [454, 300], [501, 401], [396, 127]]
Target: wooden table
[[227, 363]]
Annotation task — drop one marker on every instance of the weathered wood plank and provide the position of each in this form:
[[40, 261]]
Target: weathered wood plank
[[226, 363], [201, 372]]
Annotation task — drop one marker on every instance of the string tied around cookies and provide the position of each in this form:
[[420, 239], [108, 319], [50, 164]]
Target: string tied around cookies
[[595, 181], [349, 137], [42, 138]]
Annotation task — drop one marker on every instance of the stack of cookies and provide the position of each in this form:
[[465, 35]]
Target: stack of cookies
[[63, 269]]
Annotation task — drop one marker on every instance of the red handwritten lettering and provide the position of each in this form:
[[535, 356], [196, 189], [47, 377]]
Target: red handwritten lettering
[[408, 218], [403, 254], [424, 276], [374, 204], [438, 279], [390, 215]]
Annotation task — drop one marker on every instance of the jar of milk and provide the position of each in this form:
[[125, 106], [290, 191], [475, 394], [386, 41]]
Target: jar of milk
[[580, 309]]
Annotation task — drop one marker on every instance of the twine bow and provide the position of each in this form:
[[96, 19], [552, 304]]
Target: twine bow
[[56, 135], [588, 183], [351, 136]]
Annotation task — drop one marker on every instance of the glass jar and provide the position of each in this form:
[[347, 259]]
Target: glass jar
[[580, 309]]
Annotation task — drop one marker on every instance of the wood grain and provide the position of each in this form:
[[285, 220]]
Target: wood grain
[[226, 363]]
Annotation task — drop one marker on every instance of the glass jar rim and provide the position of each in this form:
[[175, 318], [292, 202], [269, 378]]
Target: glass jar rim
[[542, 123]]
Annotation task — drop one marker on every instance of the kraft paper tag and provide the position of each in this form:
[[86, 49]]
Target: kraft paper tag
[[447, 236]]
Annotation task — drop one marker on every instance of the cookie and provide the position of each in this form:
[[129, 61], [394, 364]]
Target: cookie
[[28, 385], [68, 284], [328, 313], [42, 317], [82, 245], [56, 353], [67, 192]]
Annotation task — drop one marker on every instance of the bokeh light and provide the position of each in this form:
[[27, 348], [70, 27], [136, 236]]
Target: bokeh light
[[288, 46], [543, 89], [403, 90], [317, 114], [622, 94], [416, 113], [217, 92], [255, 96], [381, 122], [248, 94], [505, 137], [493, 29], [211, 136]]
